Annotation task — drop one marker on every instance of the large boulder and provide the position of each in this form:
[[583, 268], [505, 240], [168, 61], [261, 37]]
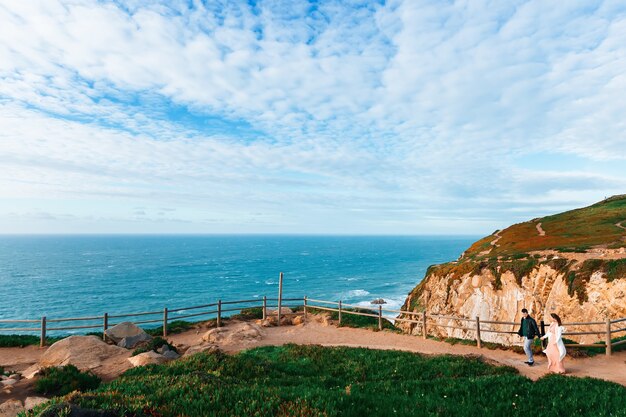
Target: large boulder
[[283, 310], [11, 408], [236, 334], [84, 352], [131, 342], [32, 402], [147, 358], [204, 347], [126, 330]]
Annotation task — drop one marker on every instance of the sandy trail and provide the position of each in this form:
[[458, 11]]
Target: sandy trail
[[619, 224], [540, 230], [611, 368]]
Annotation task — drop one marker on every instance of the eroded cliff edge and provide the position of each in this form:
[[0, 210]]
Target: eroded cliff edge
[[573, 263]]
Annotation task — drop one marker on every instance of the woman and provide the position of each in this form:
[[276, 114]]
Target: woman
[[556, 349]]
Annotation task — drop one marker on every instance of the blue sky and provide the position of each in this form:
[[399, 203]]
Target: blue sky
[[399, 117]]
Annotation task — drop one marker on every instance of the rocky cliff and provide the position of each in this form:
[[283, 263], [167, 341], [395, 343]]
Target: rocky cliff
[[573, 263]]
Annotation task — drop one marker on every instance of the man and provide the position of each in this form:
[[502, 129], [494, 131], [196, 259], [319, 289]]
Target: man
[[528, 330]]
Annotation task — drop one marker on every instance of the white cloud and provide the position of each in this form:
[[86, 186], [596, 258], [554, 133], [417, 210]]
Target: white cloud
[[331, 118]]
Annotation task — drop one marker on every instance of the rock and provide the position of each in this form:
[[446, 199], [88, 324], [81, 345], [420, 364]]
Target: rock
[[9, 382], [297, 320], [17, 377], [124, 330], [131, 342], [264, 323], [84, 352], [163, 349], [32, 402], [283, 310], [214, 335], [238, 333], [204, 347], [170, 355], [181, 347], [32, 371], [285, 321], [147, 358], [11, 408]]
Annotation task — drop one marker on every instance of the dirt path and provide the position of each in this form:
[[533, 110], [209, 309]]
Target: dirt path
[[498, 237], [540, 230], [611, 368], [619, 224]]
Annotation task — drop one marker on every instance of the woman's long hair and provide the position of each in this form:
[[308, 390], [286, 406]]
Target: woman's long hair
[[556, 317]]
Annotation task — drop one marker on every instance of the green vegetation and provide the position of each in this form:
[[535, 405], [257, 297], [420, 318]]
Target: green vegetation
[[252, 313], [173, 327], [571, 231], [296, 380], [65, 379], [356, 321], [22, 340], [153, 345]]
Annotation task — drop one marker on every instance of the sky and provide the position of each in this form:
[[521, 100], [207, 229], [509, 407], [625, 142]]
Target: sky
[[322, 117]]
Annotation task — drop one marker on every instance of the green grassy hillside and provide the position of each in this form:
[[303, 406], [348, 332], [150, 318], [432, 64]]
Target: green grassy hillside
[[316, 381], [575, 230]]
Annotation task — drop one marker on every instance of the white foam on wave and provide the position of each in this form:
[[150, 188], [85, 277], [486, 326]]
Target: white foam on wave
[[357, 293]]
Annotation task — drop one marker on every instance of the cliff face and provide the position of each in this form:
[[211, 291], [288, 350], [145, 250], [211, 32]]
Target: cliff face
[[582, 279]]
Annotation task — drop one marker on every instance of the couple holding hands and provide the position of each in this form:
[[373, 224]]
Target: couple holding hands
[[555, 351]]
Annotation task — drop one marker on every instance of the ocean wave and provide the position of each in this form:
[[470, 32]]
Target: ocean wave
[[357, 293]]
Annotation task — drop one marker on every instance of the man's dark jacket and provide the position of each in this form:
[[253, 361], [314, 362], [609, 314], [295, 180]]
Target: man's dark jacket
[[533, 330]]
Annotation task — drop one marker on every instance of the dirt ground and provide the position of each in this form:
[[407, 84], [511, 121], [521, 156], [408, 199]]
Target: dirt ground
[[611, 368]]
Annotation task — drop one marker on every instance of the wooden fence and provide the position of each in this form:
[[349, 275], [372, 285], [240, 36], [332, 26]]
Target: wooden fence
[[422, 320]]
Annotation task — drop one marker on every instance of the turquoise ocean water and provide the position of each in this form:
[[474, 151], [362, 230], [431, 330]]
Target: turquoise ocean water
[[69, 276]]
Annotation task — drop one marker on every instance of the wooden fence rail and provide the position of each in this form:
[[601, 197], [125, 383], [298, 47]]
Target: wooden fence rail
[[423, 320]]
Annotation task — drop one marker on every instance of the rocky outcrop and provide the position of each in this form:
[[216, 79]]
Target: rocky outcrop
[[147, 358], [235, 334], [579, 290], [127, 335], [84, 352]]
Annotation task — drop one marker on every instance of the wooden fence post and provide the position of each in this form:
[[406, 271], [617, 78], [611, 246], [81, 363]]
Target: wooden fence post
[[105, 326], [219, 313], [339, 312], [609, 348], [280, 296], [42, 340], [478, 342], [165, 322], [424, 333], [264, 307], [304, 307], [380, 317]]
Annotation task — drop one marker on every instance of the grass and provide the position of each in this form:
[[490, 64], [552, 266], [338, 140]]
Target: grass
[[65, 379], [154, 345], [571, 231], [23, 340], [356, 321], [303, 381]]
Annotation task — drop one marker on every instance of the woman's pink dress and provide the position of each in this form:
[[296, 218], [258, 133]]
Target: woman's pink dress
[[554, 352]]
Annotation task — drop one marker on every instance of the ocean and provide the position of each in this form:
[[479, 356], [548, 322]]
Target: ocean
[[70, 276]]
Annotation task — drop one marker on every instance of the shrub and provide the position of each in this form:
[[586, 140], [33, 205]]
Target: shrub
[[252, 313], [155, 344], [173, 327], [65, 379]]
